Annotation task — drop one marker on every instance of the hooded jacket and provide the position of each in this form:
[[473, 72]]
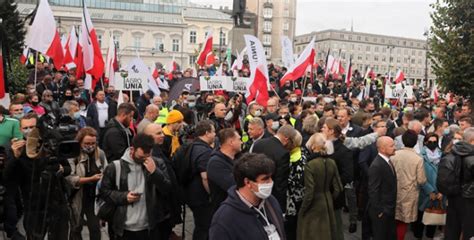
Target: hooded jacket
[[117, 139], [466, 151], [156, 185], [234, 220]]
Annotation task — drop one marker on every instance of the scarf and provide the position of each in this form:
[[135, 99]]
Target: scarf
[[174, 140], [433, 156]]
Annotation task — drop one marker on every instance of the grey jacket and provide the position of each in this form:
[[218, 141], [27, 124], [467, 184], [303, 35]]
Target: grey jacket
[[360, 142]]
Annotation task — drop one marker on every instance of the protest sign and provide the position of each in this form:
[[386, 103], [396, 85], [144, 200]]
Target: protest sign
[[398, 91], [133, 82], [230, 84]]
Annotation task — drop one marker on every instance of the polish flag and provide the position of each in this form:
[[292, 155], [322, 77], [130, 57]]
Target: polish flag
[[258, 89], [348, 72], [400, 77], [92, 60], [155, 73], [206, 49], [71, 49], [172, 67], [24, 55], [305, 60], [111, 64], [210, 59], [43, 35], [237, 65], [435, 93], [329, 64]]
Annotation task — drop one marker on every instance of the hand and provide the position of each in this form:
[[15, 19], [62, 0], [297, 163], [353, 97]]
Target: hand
[[131, 197], [150, 165], [433, 196], [96, 177], [439, 196], [380, 215], [17, 147]]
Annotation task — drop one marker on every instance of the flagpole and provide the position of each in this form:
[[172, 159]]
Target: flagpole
[[36, 67], [304, 88]]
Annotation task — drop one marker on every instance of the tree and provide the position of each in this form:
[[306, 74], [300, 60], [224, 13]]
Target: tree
[[452, 45], [13, 26]]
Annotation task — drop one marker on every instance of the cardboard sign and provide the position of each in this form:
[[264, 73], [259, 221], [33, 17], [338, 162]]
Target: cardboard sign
[[398, 91], [133, 82]]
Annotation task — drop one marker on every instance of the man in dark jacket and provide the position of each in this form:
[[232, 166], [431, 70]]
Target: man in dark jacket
[[250, 212], [468, 182], [143, 181], [144, 101], [118, 135], [256, 131], [99, 113], [197, 191], [276, 148], [219, 168], [383, 191], [218, 117]]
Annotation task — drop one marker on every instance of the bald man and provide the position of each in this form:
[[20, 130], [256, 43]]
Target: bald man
[[219, 117], [382, 190], [151, 114]]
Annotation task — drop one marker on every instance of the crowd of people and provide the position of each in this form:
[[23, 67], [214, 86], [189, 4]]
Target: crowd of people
[[289, 168]]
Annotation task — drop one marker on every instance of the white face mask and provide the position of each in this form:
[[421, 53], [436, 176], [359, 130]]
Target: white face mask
[[275, 125], [455, 141], [264, 190], [258, 113], [293, 99], [191, 104]]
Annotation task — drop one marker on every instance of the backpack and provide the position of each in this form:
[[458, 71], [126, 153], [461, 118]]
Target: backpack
[[103, 210], [182, 164], [449, 179]]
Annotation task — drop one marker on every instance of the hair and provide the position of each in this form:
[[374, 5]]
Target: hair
[[86, 131], [225, 134], [68, 104], [203, 127], [378, 114], [363, 104], [126, 108], [287, 131], [250, 166], [47, 92], [347, 110], [310, 124], [409, 138], [466, 119], [412, 124], [453, 128], [468, 135], [398, 131], [143, 141], [438, 122], [97, 92], [409, 115], [28, 116], [430, 135], [257, 122], [334, 125], [421, 114], [318, 139], [386, 112], [307, 105], [328, 107], [297, 140]]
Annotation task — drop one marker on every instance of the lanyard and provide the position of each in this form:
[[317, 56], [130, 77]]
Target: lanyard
[[263, 214]]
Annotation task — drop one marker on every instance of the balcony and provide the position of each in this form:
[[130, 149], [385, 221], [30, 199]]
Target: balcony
[[267, 5]]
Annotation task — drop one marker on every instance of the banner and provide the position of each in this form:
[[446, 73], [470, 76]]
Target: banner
[[287, 52], [397, 91], [133, 82], [230, 84]]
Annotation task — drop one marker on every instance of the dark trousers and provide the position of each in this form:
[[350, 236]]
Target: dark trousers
[[454, 218], [142, 235], [202, 221], [12, 198], [92, 223], [366, 225], [291, 223], [383, 228], [468, 223], [56, 225], [419, 227]]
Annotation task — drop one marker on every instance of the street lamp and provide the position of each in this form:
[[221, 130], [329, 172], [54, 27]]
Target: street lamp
[[390, 49], [427, 35]]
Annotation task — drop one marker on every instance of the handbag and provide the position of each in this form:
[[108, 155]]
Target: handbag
[[434, 215], [105, 210]]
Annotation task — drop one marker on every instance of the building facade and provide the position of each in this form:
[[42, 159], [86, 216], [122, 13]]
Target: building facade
[[274, 19], [157, 31], [381, 53]]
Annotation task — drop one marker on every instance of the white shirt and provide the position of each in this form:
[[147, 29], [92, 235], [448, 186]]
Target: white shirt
[[346, 129], [103, 111], [385, 158]]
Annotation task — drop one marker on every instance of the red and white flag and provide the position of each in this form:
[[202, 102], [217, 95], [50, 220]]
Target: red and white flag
[[206, 50], [258, 89], [24, 56], [43, 35], [71, 49], [299, 68], [400, 77], [91, 55], [219, 72], [237, 65], [111, 64], [329, 65], [210, 59], [348, 72], [434, 92], [172, 67], [4, 95]]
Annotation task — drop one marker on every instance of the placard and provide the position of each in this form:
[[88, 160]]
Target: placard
[[230, 84], [133, 82], [398, 91]]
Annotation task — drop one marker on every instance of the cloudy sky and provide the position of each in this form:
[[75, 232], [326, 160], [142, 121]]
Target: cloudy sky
[[404, 18]]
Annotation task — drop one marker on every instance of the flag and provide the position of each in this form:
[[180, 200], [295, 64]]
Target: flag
[[24, 56], [237, 65], [348, 72], [299, 68], [400, 77], [92, 60], [287, 52], [258, 89], [329, 64], [71, 49], [367, 82], [137, 66], [210, 59], [111, 64], [155, 73], [43, 35], [172, 67], [219, 72], [206, 49], [435, 93]]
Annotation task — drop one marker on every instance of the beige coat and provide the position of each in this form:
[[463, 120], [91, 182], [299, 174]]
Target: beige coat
[[410, 176]]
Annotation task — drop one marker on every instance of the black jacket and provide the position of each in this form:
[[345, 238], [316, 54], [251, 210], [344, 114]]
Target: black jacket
[[195, 193], [466, 151], [93, 115], [220, 176], [274, 149], [250, 142], [157, 186], [382, 188], [320, 90], [236, 221], [116, 140], [343, 158], [219, 123]]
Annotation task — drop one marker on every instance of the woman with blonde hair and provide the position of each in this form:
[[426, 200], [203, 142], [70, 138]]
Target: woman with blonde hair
[[316, 219]]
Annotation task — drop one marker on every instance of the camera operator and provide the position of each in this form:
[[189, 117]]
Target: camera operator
[[41, 183]]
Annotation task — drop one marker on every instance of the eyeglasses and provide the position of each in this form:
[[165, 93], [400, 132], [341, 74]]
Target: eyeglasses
[[24, 128]]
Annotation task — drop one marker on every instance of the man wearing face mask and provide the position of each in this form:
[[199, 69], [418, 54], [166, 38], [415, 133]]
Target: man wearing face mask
[[72, 107], [272, 123], [309, 91], [250, 212], [277, 149], [254, 110], [118, 136], [143, 180], [16, 111], [9, 128], [48, 104]]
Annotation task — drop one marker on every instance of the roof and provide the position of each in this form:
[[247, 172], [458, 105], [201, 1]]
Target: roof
[[206, 13]]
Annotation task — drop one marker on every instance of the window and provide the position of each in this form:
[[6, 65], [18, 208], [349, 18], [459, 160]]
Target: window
[[267, 26], [268, 52], [286, 26], [367, 48], [267, 39], [175, 47], [192, 60], [192, 36], [159, 44], [384, 59], [413, 52], [398, 60], [222, 38], [116, 39], [413, 60], [342, 36], [382, 40], [359, 57], [350, 37], [137, 42], [99, 39], [286, 13], [405, 60], [267, 12], [376, 58], [352, 46], [358, 38], [376, 49]]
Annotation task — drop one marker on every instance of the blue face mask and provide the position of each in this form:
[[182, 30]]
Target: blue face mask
[[77, 115], [433, 116], [446, 131]]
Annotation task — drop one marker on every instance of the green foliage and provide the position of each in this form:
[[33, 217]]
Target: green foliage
[[13, 27], [17, 77], [452, 45]]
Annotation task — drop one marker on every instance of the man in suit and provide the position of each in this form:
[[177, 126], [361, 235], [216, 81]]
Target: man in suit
[[320, 87], [383, 191], [277, 149], [256, 131]]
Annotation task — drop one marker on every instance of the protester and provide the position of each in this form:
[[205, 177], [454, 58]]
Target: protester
[[118, 136], [151, 114], [99, 114], [468, 183], [174, 123]]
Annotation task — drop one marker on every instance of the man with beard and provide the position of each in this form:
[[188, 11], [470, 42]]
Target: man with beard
[[118, 136]]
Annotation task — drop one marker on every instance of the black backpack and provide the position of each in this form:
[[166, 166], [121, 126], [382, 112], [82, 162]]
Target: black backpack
[[449, 179], [182, 164]]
